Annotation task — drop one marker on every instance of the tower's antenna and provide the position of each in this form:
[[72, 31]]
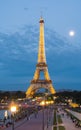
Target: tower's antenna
[[41, 14]]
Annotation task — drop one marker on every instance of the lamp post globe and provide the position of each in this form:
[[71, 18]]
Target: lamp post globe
[[13, 110]]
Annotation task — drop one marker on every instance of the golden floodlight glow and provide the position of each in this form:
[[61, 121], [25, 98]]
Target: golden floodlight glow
[[52, 102], [42, 103], [13, 108], [47, 102], [74, 105]]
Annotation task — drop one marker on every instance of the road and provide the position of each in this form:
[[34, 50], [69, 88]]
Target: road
[[35, 123]]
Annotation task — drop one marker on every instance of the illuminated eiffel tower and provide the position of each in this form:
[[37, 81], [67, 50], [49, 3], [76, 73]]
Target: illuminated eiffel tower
[[41, 66]]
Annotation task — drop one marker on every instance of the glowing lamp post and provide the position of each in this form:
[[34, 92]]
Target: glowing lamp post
[[47, 103], [43, 104], [13, 110]]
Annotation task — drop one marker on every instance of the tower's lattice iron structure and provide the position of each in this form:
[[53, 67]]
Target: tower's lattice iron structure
[[41, 66]]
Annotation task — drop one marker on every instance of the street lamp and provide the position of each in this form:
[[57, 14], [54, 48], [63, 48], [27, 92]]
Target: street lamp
[[43, 104], [13, 110], [47, 113]]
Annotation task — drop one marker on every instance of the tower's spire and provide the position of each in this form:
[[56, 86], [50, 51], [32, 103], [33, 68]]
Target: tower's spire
[[41, 51]]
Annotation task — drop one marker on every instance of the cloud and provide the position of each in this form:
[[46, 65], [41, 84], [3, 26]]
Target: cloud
[[18, 55], [26, 41]]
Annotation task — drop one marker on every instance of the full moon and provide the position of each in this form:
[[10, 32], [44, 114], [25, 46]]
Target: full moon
[[71, 33]]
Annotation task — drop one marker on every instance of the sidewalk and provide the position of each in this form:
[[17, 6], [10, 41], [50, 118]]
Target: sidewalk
[[76, 114], [69, 125], [35, 123]]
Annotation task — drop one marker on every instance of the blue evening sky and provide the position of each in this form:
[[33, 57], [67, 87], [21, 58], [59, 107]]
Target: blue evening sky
[[62, 15], [59, 15]]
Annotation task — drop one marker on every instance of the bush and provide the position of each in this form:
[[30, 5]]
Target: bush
[[55, 128], [54, 120], [61, 128], [59, 119]]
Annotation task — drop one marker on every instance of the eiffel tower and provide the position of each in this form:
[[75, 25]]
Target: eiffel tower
[[41, 66]]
